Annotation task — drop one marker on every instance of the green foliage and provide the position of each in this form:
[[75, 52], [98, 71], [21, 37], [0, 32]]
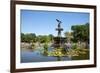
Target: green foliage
[[45, 49], [80, 32], [32, 38], [68, 35], [22, 37], [45, 46], [50, 37], [83, 54], [74, 46], [28, 37], [43, 39], [57, 52]]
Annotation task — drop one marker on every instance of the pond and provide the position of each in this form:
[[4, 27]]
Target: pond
[[36, 56]]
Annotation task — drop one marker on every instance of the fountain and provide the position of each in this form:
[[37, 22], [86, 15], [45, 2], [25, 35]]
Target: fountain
[[59, 41]]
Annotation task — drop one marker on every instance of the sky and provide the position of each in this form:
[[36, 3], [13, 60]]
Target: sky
[[44, 22]]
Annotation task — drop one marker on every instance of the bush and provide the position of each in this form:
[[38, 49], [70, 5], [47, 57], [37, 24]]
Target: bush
[[45, 46], [74, 46], [45, 51]]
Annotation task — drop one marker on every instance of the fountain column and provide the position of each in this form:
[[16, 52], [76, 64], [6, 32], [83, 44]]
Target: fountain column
[[59, 29]]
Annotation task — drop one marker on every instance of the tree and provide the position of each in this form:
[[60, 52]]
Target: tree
[[50, 37], [22, 37], [81, 32], [42, 39], [68, 35], [30, 37]]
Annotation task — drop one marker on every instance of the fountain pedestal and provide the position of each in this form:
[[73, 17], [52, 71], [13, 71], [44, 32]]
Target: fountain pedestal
[[59, 42]]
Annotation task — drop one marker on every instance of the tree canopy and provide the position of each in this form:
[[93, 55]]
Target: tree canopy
[[31, 37], [81, 32]]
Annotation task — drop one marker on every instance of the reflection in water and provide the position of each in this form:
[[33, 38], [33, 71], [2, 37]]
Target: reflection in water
[[58, 58], [45, 53], [40, 55]]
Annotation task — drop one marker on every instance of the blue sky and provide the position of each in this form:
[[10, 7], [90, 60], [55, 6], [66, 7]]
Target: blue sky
[[44, 22]]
